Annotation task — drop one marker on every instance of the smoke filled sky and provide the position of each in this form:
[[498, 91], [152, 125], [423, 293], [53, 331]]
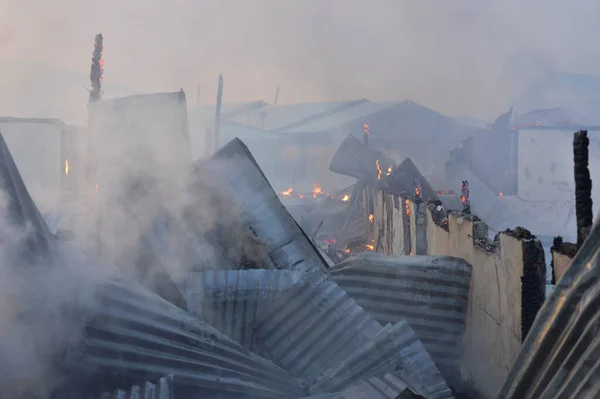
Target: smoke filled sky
[[459, 57]]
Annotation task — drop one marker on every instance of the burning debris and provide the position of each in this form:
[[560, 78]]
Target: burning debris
[[465, 197], [97, 69]]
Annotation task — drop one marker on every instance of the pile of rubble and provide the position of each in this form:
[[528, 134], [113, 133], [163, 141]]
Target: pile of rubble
[[289, 328]]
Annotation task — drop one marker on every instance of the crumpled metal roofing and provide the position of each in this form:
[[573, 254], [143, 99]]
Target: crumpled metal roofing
[[137, 336], [265, 215], [559, 358], [387, 387], [430, 292], [147, 390], [21, 211], [230, 300], [317, 332]]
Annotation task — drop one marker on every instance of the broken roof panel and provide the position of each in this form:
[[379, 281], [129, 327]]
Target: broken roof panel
[[231, 300], [20, 209], [264, 214], [559, 358], [430, 292], [137, 336], [318, 333]]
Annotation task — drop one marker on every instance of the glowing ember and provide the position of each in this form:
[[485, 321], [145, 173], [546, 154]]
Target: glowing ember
[[371, 218], [317, 190], [465, 195], [389, 172], [287, 192], [331, 241], [370, 247], [300, 195], [407, 206], [67, 167], [346, 197], [366, 129], [500, 195], [378, 170], [347, 250]]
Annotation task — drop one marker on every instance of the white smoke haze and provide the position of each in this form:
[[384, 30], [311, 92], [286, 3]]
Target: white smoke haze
[[457, 57]]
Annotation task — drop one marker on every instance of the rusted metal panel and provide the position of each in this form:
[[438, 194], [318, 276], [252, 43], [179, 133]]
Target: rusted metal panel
[[137, 336], [559, 358], [231, 300], [430, 292]]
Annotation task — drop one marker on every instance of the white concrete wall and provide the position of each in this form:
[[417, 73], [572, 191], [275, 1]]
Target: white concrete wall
[[561, 263], [35, 146]]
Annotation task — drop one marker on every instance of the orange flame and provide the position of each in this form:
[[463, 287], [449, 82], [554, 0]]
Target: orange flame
[[417, 192], [67, 167], [463, 199], [287, 192], [366, 129], [370, 247], [317, 190], [371, 218], [410, 254], [346, 197], [500, 195], [407, 206], [389, 171], [378, 170], [347, 250]]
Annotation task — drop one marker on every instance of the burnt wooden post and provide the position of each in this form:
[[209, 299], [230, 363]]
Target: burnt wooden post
[[583, 186], [218, 113]]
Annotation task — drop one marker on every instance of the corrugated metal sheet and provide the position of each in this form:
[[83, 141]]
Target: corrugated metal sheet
[[394, 345], [559, 358], [137, 336], [147, 390], [314, 329], [264, 214], [386, 387], [430, 292], [231, 300]]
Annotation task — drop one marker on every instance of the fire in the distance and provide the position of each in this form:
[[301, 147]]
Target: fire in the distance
[[378, 170], [67, 167], [317, 192]]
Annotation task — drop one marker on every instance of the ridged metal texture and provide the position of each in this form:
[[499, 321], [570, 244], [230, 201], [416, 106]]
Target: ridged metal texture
[[314, 329], [387, 387], [430, 292], [560, 356], [165, 389], [231, 300], [138, 336], [394, 345], [264, 214]]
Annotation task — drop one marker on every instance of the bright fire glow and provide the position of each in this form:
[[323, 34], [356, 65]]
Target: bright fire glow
[[346, 197], [347, 250], [287, 192], [410, 254], [389, 172], [407, 206], [317, 190], [378, 170], [67, 167], [370, 247], [500, 195], [371, 218]]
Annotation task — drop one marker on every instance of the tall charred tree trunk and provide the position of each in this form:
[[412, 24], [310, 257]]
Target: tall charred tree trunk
[[583, 186]]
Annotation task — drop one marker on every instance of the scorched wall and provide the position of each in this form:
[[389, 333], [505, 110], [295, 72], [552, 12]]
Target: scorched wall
[[499, 314]]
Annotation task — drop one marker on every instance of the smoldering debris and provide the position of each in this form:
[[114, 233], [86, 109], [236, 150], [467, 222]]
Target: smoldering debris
[[80, 325]]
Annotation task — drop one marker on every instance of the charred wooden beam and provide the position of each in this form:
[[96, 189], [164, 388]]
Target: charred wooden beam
[[583, 186]]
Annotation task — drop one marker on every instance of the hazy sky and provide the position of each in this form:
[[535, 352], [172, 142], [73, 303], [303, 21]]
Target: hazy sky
[[458, 57]]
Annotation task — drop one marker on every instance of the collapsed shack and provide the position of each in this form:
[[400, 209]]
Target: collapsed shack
[[356, 232]]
